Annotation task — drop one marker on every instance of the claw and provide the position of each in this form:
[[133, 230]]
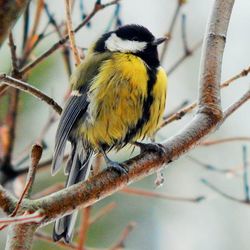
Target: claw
[[151, 147], [117, 167], [120, 169]]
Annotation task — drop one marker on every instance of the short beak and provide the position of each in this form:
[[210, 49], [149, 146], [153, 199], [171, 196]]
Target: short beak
[[158, 41]]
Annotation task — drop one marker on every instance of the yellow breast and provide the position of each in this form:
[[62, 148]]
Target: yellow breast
[[117, 98]]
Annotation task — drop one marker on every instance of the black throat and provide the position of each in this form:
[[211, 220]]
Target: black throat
[[150, 57]]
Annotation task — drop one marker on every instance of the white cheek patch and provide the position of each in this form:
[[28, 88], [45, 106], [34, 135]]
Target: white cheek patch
[[115, 43]]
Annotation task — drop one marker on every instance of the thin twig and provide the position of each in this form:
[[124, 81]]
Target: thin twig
[[11, 117], [169, 33], [15, 83], [37, 17], [207, 166], [36, 154], [26, 25], [184, 34], [28, 218], [58, 44], [141, 192], [178, 115], [45, 237], [243, 73], [65, 49], [225, 140], [175, 110], [217, 190], [184, 57], [11, 120], [121, 242], [84, 228], [71, 33], [245, 174], [14, 59], [230, 110]]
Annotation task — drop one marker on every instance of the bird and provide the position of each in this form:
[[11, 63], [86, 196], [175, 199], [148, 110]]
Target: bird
[[118, 96]]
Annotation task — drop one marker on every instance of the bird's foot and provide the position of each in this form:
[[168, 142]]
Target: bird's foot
[[151, 147], [120, 169]]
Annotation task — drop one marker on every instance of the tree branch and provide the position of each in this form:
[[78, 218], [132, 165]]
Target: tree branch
[[236, 105], [7, 201], [20, 237], [15, 83], [71, 33]]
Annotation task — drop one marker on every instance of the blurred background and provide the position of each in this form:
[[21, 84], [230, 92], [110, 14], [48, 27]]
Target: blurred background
[[214, 223]]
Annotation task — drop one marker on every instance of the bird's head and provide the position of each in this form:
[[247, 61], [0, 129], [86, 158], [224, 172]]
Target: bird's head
[[134, 39]]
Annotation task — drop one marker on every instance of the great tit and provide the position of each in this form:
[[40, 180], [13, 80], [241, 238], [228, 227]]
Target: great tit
[[118, 98]]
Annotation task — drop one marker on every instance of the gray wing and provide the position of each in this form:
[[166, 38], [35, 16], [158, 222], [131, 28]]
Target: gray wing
[[75, 108]]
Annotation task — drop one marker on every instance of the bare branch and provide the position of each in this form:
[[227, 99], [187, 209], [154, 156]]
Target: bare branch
[[178, 115], [28, 218], [13, 54], [71, 33], [243, 73], [184, 57], [121, 242], [84, 228], [225, 140], [141, 192], [236, 105], [36, 154], [169, 33], [45, 237], [217, 190], [15, 83], [245, 175]]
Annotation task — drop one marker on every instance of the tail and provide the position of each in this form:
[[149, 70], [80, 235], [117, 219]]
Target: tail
[[77, 168]]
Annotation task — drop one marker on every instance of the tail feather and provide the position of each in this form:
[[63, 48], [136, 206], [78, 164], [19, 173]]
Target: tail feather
[[78, 168]]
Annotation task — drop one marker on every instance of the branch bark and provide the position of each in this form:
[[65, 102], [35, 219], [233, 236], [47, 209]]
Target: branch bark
[[7, 201], [20, 237]]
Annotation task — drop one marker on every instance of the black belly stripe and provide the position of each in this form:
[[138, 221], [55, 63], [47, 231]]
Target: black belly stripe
[[132, 132]]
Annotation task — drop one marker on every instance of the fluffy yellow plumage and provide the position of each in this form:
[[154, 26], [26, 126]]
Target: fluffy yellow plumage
[[117, 97]]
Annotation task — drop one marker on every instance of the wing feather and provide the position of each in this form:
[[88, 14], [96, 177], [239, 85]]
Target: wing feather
[[75, 108]]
